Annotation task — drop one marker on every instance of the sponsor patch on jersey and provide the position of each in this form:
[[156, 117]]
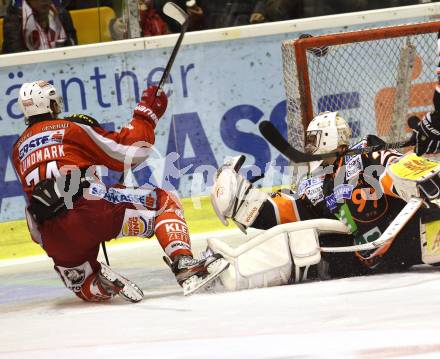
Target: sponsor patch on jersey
[[369, 236], [340, 193], [74, 277], [344, 215], [353, 167], [343, 191], [330, 202], [312, 188], [40, 140], [309, 182], [137, 223], [97, 190], [56, 126], [315, 194], [136, 196], [360, 144], [135, 226]]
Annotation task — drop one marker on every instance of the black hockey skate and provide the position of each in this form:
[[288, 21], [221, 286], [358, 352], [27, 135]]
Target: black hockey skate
[[192, 274]]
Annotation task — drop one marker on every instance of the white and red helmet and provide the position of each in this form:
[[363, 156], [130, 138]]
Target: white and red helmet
[[326, 132], [35, 98]]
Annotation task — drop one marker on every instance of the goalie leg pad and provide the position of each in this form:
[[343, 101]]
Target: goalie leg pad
[[254, 264], [304, 246], [430, 242], [270, 258]]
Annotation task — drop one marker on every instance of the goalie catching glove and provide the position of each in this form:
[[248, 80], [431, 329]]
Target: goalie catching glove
[[152, 106]]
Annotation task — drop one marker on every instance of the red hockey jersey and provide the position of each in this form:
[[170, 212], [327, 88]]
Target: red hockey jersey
[[46, 147]]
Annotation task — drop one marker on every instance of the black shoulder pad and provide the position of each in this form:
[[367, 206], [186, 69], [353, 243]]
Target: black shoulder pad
[[83, 119]]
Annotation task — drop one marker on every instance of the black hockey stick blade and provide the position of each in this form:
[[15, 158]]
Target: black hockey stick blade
[[274, 137]]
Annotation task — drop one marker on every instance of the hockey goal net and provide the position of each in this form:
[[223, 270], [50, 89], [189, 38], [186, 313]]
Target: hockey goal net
[[375, 78]]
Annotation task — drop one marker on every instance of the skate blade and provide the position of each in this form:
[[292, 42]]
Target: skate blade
[[130, 291], [194, 283]]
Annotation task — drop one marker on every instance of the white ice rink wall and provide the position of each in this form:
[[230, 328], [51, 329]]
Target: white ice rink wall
[[222, 84]]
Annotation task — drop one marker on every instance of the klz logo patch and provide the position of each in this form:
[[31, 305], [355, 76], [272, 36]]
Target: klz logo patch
[[176, 231]]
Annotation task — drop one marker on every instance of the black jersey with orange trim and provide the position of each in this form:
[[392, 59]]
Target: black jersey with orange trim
[[357, 191]]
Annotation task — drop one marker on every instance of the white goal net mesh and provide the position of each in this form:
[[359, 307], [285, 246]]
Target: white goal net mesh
[[375, 78]]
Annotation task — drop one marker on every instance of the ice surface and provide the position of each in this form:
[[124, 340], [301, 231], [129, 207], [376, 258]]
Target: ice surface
[[383, 316]]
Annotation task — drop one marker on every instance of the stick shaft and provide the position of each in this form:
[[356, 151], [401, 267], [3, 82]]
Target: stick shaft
[[170, 63], [274, 137]]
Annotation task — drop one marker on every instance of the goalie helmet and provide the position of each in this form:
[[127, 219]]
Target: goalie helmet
[[326, 132], [35, 98]]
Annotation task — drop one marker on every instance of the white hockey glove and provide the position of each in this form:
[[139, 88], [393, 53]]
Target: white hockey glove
[[234, 197]]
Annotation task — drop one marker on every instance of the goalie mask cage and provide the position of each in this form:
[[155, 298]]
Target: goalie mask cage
[[375, 78]]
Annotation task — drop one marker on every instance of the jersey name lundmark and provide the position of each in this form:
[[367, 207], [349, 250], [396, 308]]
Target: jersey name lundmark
[[39, 141]]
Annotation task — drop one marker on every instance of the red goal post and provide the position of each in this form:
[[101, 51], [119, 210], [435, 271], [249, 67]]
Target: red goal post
[[375, 78]]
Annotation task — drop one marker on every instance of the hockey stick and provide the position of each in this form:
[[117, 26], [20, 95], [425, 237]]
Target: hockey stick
[[104, 250], [390, 233], [176, 13], [274, 137]]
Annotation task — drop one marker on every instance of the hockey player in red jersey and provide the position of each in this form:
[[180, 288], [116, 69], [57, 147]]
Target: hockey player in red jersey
[[71, 211], [373, 212]]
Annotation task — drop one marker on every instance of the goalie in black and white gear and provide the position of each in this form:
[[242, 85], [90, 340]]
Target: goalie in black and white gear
[[346, 218]]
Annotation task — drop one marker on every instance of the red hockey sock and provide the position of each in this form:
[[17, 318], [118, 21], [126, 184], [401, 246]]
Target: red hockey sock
[[172, 232]]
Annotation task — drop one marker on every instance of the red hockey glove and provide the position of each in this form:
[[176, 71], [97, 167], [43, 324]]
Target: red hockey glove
[[151, 108]]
